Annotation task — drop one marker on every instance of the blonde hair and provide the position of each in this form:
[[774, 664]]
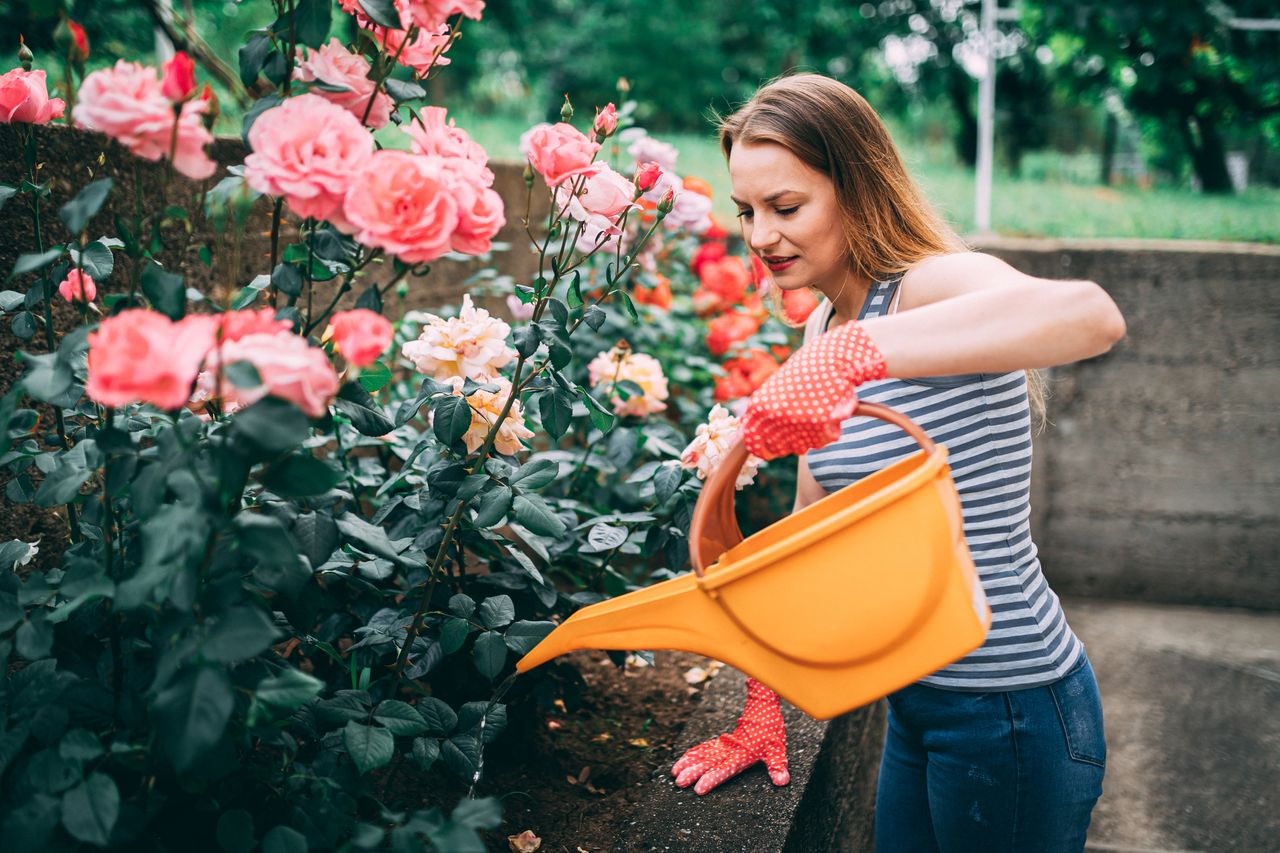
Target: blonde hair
[[888, 224]]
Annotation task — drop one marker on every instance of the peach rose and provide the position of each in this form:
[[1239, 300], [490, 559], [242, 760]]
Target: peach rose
[[486, 406], [126, 103], [361, 335], [309, 151], [289, 367], [560, 151], [433, 133], [481, 216], [405, 204], [620, 365], [434, 13], [710, 444], [472, 345], [141, 356], [335, 65], [24, 97], [78, 286]]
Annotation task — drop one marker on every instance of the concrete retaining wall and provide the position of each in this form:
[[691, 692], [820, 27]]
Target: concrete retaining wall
[[1158, 478]]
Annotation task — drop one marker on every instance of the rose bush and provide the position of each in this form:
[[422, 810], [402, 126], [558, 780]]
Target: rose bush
[[305, 546]]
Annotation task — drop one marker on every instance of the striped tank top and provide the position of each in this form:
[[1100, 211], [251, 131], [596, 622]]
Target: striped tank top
[[984, 420]]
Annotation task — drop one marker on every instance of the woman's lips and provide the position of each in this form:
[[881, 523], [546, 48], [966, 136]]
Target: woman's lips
[[778, 264]]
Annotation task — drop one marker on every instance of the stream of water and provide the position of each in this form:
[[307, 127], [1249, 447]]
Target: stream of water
[[498, 693]]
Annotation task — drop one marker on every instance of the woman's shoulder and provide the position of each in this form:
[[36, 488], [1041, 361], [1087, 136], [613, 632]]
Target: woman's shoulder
[[939, 277]]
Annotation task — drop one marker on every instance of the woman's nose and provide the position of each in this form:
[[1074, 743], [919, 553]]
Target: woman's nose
[[762, 237]]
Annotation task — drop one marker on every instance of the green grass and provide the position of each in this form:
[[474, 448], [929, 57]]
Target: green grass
[[1038, 206]]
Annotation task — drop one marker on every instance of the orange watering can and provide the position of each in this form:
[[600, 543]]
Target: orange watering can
[[839, 604]]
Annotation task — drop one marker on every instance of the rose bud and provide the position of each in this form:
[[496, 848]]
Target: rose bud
[[647, 176], [179, 81]]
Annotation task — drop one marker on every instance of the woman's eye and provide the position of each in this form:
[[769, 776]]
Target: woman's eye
[[787, 211], [744, 213]]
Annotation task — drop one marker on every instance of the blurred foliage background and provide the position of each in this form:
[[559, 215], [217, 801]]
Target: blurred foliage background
[[1155, 118]]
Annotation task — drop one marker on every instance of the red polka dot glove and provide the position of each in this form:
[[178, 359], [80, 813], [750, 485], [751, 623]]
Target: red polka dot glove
[[801, 405], [758, 736]]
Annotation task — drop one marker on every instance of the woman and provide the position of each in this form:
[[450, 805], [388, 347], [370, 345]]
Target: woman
[[1002, 750]]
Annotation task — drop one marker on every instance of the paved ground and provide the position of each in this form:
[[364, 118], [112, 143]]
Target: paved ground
[[1192, 703]]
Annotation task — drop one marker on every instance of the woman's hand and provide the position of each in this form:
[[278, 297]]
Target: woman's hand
[[801, 405], [760, 735]]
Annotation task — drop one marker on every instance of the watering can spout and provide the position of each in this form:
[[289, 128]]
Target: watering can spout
[[669, 615]]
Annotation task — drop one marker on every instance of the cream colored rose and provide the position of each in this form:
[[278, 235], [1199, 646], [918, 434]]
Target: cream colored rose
[[619, 364], [710, 444], [472, 345]]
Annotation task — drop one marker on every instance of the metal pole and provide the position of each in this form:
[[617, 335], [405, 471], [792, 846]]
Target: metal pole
[[986, 118]]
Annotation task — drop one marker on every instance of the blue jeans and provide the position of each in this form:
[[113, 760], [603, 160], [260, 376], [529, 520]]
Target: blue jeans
[[1016, 770]]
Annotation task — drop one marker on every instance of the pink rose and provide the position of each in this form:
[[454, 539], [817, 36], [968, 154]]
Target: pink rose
[[288, 366], [179, 81], [647, 149], [403, 203], [433, 13], [307, 150], [647, 176], [606, 121], [126, 103], [606, 193], [141, 356], [235, 325], [334, 64], [24, 97], [423, 53], [480, 218], [78, 286], [361, 335], [560, 151], [433, 134]]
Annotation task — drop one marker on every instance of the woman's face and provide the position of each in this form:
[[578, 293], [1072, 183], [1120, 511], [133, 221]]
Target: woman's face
[[789, 215]]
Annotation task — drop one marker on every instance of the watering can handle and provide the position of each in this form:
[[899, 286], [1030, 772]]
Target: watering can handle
[[714, 528]]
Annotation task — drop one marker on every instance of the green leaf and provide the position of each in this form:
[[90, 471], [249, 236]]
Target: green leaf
[[666, 479], [425, 752], [345, 705], [48, 378], [76, 213], [493, 507], [243, 374], [311, 20], [522, 636], [496, 611], [439, 716], [289, 690], [404, 90], [451, 418], [484, 813], [284, 839], [80, 745], [400, 718], [272, 425], [382, 12], [362, 410], [265, 538], [316, 535], [536, 473], [606, 537], [453, 633], [368, 537], [556, 410], [6, 193], [287, 279], [301, 475], [98, 261], [32, 262], [11, 299], [375, 376], [461, 753], [462, 605], [90, 810], [34, 639], [164, 290], [594, 317], [601, 418], [369, 747], [527, 338], [62, 484], [235, 831], [239, 634], [534, 514], [489, 654], [252, 56], [192, 713], [23, 325]]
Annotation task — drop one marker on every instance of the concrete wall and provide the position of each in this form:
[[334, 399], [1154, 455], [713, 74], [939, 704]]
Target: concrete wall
[[1158, 478]]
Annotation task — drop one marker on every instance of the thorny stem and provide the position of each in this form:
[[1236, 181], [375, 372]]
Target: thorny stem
[[385, 68]]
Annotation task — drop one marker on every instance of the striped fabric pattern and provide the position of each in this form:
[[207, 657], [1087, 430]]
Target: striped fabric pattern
[[984, 420]]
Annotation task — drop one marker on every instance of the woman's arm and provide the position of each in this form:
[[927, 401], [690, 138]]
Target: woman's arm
[[973, 313], [807, 489]]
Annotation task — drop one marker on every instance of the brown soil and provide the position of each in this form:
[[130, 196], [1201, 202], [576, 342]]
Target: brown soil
[[573, 775]]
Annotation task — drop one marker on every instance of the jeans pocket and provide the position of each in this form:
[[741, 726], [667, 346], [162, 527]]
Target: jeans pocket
[[1080, 712]]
